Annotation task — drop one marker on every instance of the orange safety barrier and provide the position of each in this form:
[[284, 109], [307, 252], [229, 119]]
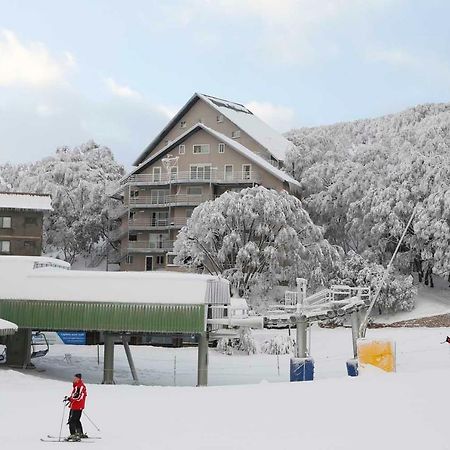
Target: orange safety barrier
[[379, 353]]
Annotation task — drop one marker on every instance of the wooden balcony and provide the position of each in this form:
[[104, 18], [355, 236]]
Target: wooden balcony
[[213, 176]]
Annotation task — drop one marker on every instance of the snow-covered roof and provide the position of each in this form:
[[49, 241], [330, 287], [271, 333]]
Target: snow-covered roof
[[276, 144], [266, 165], [7, 327], [271, 140], [27, 201], [32, 278]]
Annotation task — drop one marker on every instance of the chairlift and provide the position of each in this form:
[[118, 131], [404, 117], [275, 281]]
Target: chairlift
[[39, 344]]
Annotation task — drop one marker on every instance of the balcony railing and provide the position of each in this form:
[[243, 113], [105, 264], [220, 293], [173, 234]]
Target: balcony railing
[[150, 247], [144, 224], [213, 176], [169, 200]]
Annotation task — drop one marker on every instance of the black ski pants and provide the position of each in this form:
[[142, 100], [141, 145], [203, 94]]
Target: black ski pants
[[74, 421]]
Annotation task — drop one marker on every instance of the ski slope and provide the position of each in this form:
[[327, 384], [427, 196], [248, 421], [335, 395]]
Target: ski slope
[[406, 410]]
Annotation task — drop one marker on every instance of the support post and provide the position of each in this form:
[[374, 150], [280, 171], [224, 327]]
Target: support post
[[108, 359], [125, 342], [18, 349], [302, 328], [355, 331], [202, 370]]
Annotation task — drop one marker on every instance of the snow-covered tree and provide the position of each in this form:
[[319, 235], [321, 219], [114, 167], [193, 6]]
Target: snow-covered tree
[[255, 237], [78, 180], [362, 180], [397, 293]]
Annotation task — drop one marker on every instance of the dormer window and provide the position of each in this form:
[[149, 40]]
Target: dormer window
[[183, 124], [220, 118], [236, 134]]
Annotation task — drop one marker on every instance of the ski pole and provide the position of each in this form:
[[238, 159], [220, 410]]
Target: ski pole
[[62, 421], [88, 418]]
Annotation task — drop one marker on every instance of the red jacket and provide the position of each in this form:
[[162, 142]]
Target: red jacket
[[78, 396]]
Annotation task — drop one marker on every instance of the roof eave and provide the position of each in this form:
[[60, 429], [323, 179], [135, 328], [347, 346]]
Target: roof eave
[[166, 129]]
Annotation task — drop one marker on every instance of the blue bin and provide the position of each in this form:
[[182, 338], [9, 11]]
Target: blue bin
[[302, 369], [352, 367]]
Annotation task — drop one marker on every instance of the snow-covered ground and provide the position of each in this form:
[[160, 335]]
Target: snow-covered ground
[[406, 410], [417, 349], [429, 302]]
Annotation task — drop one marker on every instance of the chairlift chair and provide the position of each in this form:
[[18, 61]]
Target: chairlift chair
[[39, 344]]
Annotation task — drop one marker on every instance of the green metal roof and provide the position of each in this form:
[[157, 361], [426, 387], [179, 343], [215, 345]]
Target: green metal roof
[[104, 316]]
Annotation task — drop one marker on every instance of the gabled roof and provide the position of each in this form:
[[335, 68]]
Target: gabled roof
[[26, 201], [276, 144], [258, 160], [243, 118]]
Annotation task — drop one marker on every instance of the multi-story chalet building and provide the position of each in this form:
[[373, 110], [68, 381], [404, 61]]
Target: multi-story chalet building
[[209, 147], [21, 221]]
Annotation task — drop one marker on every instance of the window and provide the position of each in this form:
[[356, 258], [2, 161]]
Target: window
[[30, 221], [5, 222], [220, 118], [228, 172], [221, 147], [236, 134], [173, 173], [132, 237], [246, 171], [166, 142], [200, 172], [158, 196], [156, 173], [132, 213], [5, 246], [160, 260], [183, 124], [194, 190], [129, 259], [134, 194], [189, 212], [181, 149], [200, 149]]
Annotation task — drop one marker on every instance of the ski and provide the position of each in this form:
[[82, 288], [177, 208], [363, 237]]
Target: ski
[[83, 439], [63, 441]]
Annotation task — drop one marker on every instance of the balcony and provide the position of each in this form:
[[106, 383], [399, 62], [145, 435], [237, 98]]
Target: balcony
[[213, 176], [155, 224], [150, 247], [162, 201]]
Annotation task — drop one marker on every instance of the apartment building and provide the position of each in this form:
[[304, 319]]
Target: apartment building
[[21, 222], [210, 146]]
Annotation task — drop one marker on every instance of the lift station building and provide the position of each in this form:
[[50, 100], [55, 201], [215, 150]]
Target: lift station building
[[39, 293]]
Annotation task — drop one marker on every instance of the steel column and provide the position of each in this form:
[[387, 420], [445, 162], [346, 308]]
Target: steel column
[[202, 370], [108, 359], [126, 347]]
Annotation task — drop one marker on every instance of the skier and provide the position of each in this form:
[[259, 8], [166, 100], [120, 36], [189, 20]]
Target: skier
[[76, 403]]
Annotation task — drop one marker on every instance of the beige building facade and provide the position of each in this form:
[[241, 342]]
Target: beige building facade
[[21, 222], [204, 151]]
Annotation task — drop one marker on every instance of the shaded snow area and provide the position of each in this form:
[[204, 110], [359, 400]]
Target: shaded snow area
[[429, 302], [418, 350], [388, 411]]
